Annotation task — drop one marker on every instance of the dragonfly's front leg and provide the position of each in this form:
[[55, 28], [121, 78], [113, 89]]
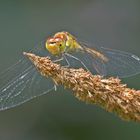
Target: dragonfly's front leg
[[61, 59], [69, 55], [58, 60], [68, 64]]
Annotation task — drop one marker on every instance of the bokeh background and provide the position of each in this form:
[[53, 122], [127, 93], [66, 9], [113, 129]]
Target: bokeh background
[[59, 116]]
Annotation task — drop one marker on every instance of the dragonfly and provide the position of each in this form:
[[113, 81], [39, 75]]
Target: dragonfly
[[22, 82]]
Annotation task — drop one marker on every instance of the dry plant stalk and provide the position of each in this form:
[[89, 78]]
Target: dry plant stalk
[[109, 93]]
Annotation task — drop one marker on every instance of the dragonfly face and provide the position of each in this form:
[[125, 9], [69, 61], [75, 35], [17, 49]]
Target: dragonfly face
[[61, 42], [55, 46]]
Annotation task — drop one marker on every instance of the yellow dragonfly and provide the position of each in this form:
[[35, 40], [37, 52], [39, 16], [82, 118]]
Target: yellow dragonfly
[[21, 82]]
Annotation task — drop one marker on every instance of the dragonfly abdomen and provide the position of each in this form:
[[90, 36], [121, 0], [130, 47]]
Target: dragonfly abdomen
[[95, 53]]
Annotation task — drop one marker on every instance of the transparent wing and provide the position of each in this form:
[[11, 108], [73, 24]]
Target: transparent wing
[[121, 63], [87, 61], [11, 91], [91, 62], [41, 85], [21, 82], [118, 63], [22, 63]]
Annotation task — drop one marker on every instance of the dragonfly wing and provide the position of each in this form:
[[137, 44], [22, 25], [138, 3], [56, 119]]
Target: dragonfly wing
[[17, 83], [23, 63], [86, 61], [23, 88], [10, 91], [121, 64], [95, 64], [109, 62], [14, 71], [41, 85]]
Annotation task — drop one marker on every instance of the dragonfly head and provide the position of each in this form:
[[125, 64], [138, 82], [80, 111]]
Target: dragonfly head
[[55, 45]]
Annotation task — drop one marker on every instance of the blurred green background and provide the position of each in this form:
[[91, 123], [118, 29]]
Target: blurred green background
[[59, 116]]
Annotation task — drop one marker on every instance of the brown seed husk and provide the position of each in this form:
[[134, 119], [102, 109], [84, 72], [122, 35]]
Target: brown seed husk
[[109, 93]]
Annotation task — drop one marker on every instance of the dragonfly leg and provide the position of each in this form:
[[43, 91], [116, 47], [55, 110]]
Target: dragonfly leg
[[68, 64], [63, 58], [77, 60], [58, 60]]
